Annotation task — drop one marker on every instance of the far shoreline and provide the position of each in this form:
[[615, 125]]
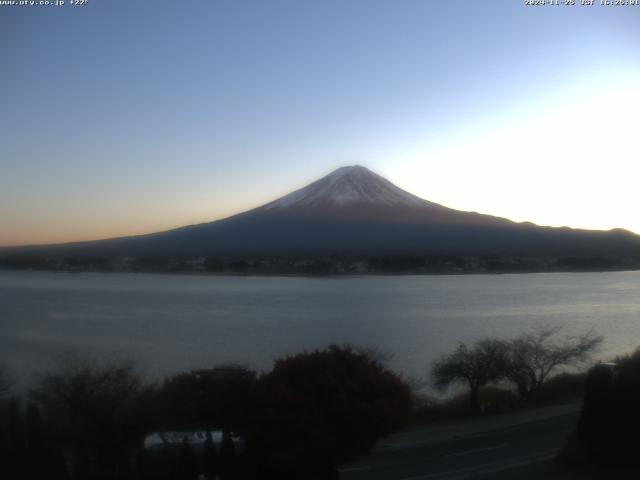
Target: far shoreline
[[329, 275]]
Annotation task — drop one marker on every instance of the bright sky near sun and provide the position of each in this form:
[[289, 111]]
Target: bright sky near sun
[[123, 117]]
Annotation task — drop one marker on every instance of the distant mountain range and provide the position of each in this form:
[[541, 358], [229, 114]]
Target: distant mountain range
[[355, 211]]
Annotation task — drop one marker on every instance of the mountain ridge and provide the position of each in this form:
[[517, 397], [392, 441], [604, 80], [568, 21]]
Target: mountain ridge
[[354, 210]]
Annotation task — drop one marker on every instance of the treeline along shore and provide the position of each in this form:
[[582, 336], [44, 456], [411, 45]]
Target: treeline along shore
[[336, 264]]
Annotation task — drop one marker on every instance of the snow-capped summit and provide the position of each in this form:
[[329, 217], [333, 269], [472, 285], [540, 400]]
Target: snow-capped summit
[[348, 187]]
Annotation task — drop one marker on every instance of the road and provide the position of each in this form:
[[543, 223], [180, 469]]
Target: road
[[522, 451]]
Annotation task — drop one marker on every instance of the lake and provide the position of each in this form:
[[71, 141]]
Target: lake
[[170, 323]]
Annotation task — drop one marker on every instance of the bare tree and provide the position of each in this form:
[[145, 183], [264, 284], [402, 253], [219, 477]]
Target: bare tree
[[482, 363], [533, 357], [97, 412]]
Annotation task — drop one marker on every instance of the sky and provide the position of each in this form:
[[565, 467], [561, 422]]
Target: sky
[[126, 117]]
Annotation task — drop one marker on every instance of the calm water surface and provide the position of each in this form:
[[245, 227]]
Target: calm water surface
[[176, 322]]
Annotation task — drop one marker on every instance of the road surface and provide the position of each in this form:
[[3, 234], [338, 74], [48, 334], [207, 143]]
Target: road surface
[[523, 451]]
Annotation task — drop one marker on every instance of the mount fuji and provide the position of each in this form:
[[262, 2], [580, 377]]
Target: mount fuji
[[353, 210]]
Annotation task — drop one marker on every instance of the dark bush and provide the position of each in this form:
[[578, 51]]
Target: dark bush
[[325, 408], [564, 387], [221, 397], [610, 419]]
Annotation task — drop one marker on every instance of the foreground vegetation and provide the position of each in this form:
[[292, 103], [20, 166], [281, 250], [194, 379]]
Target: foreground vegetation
[[311, 413], [607, 431]]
